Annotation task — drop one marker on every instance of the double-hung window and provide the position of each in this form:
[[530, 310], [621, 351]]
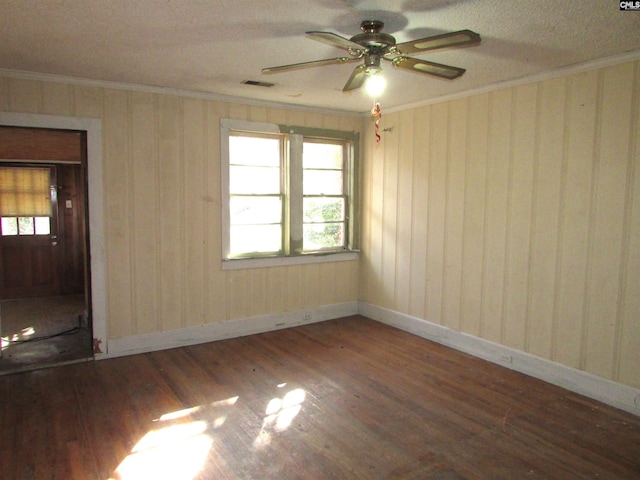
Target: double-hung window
[[289, 194]]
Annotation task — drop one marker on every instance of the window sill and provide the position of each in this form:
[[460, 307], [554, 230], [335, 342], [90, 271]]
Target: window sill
[[243, 263]]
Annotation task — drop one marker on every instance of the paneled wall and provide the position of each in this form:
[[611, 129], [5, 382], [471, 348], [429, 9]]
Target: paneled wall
[[515, 216], [161, 160]]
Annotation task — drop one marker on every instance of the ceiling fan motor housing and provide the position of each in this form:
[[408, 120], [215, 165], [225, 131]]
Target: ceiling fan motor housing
[[375, 42]]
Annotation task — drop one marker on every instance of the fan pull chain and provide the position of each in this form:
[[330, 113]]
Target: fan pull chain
[[377, 114]]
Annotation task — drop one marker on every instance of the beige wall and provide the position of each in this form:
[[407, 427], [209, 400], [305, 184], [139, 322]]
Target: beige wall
[[512, 215], [515, 216], [161, 170]]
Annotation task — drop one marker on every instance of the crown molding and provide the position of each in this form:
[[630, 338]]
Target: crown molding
[[546, 75], [87, 82]]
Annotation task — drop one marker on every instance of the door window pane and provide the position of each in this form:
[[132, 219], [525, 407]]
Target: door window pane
[[43, 225], [9, 226], [25, 226]]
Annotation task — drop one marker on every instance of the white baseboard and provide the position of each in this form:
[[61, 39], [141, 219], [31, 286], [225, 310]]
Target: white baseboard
[[606, 391], [150, 342]]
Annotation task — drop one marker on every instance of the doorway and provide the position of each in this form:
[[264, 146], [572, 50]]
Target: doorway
[[45, 304]]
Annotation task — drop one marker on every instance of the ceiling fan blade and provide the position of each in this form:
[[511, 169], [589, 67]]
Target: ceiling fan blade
[[356, 79], [430, 68], [314, 63], [335, 40], [453, 39]]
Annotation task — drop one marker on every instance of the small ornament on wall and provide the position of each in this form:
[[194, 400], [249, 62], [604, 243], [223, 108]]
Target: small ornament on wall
[[376, 114]]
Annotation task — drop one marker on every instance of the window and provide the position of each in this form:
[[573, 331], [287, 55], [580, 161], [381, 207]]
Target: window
[[25, 201], [288, 192]]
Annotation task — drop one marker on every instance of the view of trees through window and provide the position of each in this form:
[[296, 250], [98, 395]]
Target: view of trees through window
[[323, 191], [262, 194]]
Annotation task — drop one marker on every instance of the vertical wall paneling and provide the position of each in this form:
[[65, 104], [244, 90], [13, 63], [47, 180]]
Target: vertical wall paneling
[[575, 217], [519, 211], [474, 217], [195, 250], [421, 153], [25, 96], [88, 102], [496, 215], [58, 99], [294, 287], [524, 219], [403, 132], [612, 155], [118, 177], [548, 164], [436, 201], [161, 162], [145, 212], [628, 357], [513, 215], [390, 199], [170, 196], [454, 213], [373, 213], [216, 289]]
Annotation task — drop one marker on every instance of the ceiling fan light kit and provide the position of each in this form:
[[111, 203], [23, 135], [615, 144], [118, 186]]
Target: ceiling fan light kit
[[371, 46]]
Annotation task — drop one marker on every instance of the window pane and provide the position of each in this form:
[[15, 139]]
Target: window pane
[[323, 209], [322, 182], [255, 238], [255, 151], [9, 226], [43, 225], [256, 180], [255, 210], [25, 225], [317, 236], [322, 155]]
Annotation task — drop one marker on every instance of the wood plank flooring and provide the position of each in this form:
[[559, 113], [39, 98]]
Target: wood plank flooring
[[347, 398]]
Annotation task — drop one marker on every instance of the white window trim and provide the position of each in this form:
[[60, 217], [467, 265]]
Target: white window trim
[[227, 125]]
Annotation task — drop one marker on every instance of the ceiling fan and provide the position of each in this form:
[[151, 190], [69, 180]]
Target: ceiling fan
[[372, 45]]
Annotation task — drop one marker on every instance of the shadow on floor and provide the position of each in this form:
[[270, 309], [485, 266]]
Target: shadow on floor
[[43, 332]]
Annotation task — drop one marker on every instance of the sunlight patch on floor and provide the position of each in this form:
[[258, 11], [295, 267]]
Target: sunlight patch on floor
[[23, 335], [172, 453], [178, 448], [279, 415]]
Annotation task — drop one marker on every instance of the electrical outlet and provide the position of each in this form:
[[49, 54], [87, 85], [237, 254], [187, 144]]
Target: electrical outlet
[[504, 358], [307, 317]]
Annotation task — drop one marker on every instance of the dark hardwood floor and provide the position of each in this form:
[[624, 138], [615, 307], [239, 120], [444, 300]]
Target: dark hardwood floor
[[349, 398]]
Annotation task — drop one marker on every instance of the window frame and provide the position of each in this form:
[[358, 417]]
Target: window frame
[[293, 138]]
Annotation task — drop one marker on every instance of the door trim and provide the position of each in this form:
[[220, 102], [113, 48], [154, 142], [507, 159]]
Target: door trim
[[93, 127]]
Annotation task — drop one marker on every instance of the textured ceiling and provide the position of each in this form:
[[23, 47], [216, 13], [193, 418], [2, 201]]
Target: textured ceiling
[[211, 46]]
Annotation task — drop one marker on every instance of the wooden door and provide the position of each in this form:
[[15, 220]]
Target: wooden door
[[53, 262], [29, 251]]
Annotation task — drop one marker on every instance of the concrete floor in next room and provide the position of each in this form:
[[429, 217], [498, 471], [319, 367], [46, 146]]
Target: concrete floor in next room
[[43, 331]]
